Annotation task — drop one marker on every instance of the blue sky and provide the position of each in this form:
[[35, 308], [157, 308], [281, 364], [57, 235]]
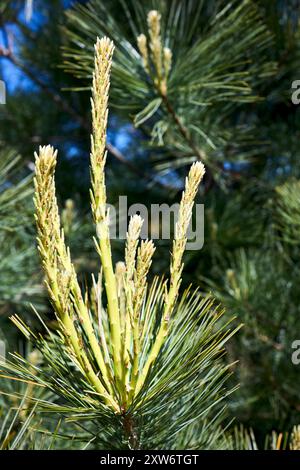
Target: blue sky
[[14, 78]]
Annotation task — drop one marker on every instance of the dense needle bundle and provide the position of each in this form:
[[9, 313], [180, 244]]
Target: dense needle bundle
[[141, 354]]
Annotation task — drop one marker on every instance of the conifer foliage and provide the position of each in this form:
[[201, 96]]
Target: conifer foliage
[[181, 71], [140, 362], [122, 359]]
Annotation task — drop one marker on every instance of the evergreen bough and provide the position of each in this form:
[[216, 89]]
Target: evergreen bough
[[139, 365]]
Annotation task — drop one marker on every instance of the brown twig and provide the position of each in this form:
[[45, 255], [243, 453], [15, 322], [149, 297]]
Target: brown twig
[[200, 154], [130, 432]]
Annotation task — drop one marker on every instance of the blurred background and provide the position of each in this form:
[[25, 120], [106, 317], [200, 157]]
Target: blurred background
[[228, 103]]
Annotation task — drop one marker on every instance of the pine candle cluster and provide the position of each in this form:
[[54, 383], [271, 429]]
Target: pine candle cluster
[[112, 344], [161, 57]]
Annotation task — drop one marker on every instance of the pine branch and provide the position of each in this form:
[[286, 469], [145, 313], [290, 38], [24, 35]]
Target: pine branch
[[122, 370]]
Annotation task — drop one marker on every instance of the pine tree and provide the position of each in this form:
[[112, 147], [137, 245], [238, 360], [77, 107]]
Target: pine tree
[[198, 80], [209, 81], [115, 363]]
